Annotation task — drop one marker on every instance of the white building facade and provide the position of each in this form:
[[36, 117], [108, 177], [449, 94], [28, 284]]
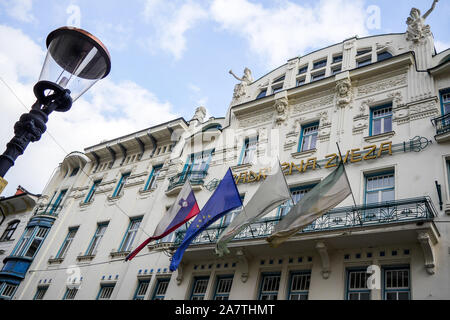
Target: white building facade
[[385, 100]]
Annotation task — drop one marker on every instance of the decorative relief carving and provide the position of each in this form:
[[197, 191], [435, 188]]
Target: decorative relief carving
[[382, 85], [306, 106], [281, 106], [344, 93], [255, 119], [423, 110]]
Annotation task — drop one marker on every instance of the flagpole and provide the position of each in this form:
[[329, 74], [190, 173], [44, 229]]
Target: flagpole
[[345, 172]]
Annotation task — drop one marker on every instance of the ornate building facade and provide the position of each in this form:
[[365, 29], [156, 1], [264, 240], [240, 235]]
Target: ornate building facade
[[385, 100]]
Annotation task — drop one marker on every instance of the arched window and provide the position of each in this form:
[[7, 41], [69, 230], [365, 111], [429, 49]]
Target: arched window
[[7, 234]]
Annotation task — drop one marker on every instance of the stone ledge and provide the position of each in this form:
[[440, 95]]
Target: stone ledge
[[380, 137], [303, 154], [55, 260]]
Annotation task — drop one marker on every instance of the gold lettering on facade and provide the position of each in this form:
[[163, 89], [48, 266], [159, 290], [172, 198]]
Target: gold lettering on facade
[[329, 164], [385, 146], [372, 149], [354, 157]]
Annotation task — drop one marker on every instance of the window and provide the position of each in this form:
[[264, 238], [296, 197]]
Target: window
[[445, 101], [277, 88], [383, 56], [396, 283], [270, 284], [303, 70], [7, 290], [248, 150], [357, 285], [337, 58], [320, 64], [223, 287], [380, 187], [70, 293], [141, 289], [127, 242], [197, 164], [300, 82], [31, 241], [336, 70], [67, 242], [75, 171], [308, 136], [101, 228], [9, 231], [364, 62], [299, 285], [199, 288], [121, 184], [92, 191], [152, 179], [261, 94], [279, 79], [318, 76], [40, 292], [226, 219], [57, 202], [105, 292], [363, 51], [160, 289], [297, 194], [381, 119]]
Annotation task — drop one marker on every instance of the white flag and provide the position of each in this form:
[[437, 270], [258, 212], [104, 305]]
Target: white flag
[[324, 196], [272, 192]]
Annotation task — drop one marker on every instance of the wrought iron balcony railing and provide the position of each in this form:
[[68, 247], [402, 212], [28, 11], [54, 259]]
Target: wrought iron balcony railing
[[383, 213], [442, 124], [195, 178], [48, 210]]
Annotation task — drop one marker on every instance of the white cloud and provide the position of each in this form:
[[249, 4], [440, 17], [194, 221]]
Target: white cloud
[[170, 21], [289, 29], [441, 46], [108, 110], [20, 10]]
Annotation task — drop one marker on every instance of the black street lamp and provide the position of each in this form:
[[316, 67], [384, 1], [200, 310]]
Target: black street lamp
[[75, 61]]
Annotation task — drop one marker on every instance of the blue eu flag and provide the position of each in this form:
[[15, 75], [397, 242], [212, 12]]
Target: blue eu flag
[[225, 198]]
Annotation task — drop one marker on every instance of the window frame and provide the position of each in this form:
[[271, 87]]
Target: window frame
[[261, 285], [102, 287], [216, 287], [120, 185], [157, 296], [248, 141], [25, 242], [91, 193], [292, 274], [98, 238], [289, 204], [444, 105], [302, 134], [203, 294], [3, 286], [379, 191], [141, 296], [359, 291], [40, 289], [399, 289], [69, 290], [58, 201], [321, 63], [389, 115], [62, 254], [151, 182], [10, 230], [123, 244]]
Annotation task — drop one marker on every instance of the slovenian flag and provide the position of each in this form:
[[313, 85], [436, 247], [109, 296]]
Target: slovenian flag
[[184, 208]]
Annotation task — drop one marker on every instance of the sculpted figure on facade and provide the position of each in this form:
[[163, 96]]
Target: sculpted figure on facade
[[417, 29], [240, 90], [344, 94], [281, 105], [199, 114]]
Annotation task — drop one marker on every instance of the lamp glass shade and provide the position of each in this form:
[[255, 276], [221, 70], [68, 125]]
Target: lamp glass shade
[[75, 60]]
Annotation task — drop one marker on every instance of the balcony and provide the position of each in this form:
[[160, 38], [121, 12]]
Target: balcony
[[442, 125], [48, 210], [196, 178], [343, 221]]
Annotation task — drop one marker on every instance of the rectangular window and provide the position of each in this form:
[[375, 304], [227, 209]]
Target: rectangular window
[[226, 219], [277, 88], [297, 194], [197, 165], [141, 289], [318, 76], [70, 293], [199, 288], [95, 242], [30, 241], [381, 119], [270, 283], [300, 82], [67, 242], [105, 292], [130, 235], [279, 79], [380, 187], [445, 101], [299, 285], [320, 64], [57, 202], [40, 292], [223, 287], [7, 290], [152, 179], [261, 94], [9, 231], [75, 171], [337, 58], [363, 51], [303, 70], [121, 184], [383, 55], [396, 283], [92, 191], [364, 62], [357, 285], [161, 288], [336, 70], [308, 137], [248, 150]]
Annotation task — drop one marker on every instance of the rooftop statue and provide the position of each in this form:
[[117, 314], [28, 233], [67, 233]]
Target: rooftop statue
[[240, 89], [417, 29]]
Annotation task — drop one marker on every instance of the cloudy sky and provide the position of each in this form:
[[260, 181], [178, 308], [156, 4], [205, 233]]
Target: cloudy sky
[[168, 57]]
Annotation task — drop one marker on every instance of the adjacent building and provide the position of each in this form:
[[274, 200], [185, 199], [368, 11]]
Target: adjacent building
[[384, 100]]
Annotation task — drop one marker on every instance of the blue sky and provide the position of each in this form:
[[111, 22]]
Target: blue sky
[[168, 57]]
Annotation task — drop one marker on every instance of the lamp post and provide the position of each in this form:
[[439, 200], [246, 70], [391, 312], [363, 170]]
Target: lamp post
[[75, 61]]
